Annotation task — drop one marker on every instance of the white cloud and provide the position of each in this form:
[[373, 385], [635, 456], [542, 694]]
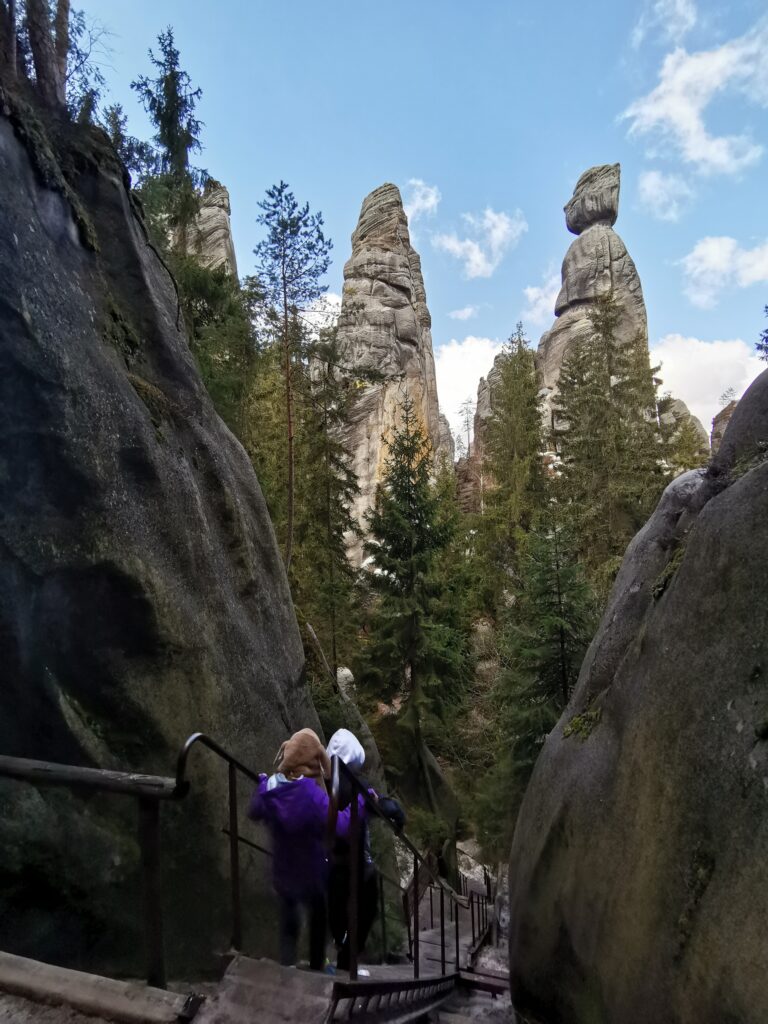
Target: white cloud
[[673, 112], [671, 19], [719, 262], [493, 234], [421, 200], [459, 365], [324, 312], [664, 195], [700, 371], [541, 300], [465, 313]]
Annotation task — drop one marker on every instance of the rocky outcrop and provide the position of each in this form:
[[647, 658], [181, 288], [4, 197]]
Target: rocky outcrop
[[595, 264], [384, 324], [676, 413], [210, 237], [719, 423], [639, 868], [471, 472], [142, 594]]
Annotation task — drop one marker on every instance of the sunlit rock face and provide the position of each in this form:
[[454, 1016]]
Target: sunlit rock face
[[639, 866], [210, 237], [719, 423], [596, 263], [385, 325], [142, 594]]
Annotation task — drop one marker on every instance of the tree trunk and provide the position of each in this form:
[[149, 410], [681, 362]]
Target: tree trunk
[[62, 47], [289, 422], [8, 36], [43, 52]]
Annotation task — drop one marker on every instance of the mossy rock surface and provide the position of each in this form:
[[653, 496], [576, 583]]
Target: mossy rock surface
[[639, 867], [142, 594]]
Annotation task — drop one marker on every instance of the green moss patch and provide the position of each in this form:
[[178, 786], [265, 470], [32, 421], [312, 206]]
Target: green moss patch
[[583, 725], [667, 574]]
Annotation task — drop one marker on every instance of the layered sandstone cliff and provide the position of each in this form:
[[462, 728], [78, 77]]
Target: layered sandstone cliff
[[384, 324], [596, 263]]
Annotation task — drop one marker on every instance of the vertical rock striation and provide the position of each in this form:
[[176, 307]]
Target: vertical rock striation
[[596, 263], [210, 237], [384, 324]]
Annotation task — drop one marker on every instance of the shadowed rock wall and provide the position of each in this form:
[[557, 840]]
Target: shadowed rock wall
[[142, 595]]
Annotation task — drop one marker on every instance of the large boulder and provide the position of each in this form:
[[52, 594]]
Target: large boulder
[[142, 594], [639, 867]]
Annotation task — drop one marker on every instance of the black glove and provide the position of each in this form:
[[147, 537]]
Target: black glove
[[391, 809]]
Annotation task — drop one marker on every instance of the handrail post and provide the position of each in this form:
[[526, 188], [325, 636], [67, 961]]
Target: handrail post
[[383, 912], [234, 862], [456, 914], [472, 913], [431, 910], [354, 863], [442, 931], [149, 842], [416, 915]]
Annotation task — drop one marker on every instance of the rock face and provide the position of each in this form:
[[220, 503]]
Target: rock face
[[677, 413], [596, 263], [639, 868], [142, 595], [210, 238], [384, 324], [719, 423], [471, 479]]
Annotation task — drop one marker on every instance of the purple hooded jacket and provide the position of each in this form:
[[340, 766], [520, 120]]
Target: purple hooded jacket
[[297, 816]]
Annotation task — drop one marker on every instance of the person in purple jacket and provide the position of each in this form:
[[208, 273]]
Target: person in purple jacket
[[293, 803]]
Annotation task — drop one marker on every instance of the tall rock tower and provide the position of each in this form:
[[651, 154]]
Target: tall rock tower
[[210, 236], [384, 324], [596, 263]]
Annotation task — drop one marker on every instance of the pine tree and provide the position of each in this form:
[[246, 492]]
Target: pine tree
[[291, 260], [413, 653], [324, 581]]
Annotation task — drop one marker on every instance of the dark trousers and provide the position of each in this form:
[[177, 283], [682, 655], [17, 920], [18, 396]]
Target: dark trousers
[[367, 902], [290, 925]]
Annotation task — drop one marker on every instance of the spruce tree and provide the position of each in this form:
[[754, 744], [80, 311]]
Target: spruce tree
[[413, 653], [513, 446], [542, 639], [291, 260], [172, 197], [607, 434]]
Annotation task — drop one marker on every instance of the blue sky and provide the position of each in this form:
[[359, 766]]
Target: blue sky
[[493, 109]]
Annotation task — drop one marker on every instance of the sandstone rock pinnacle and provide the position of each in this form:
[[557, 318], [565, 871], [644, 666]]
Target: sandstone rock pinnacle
[[385, 324], [210, 238], [596, 263]]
